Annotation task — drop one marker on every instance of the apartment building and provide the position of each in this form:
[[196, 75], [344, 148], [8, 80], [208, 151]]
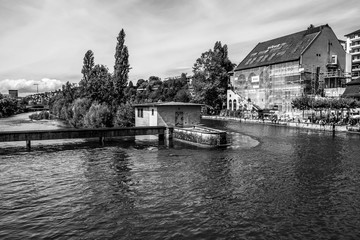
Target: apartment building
[[353, 45]]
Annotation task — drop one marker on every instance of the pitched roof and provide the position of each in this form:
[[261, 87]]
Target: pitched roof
[[282, 49], [352, 89], [166, 104], [355, 32], [354, 82]]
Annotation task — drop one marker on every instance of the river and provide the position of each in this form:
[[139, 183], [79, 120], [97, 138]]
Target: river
[[272, 182]]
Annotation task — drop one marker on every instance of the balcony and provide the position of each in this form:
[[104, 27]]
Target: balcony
[[355, 38], [355, 45], [356, 60], [333, 75], [353, 53]]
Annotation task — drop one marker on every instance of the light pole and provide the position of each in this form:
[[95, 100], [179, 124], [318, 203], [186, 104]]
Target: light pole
[[37, 87]]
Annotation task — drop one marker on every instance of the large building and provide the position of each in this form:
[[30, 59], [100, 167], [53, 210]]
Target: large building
[[276, 71], [353, 45]]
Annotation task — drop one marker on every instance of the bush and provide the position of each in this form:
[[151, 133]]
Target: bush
[[79, 109], [98, 116], [125, 116], [41, 115], [8, 107]]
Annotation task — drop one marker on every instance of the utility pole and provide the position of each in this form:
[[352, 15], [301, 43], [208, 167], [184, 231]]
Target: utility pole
[[37, 87]]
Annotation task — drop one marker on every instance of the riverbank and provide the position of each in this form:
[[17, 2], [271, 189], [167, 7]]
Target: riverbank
[[313, 126], [22, 122]]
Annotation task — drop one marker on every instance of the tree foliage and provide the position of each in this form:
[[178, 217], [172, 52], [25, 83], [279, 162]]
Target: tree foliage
[[305, 103], [100, 87], [121, 67], [210, 79], [8, 106], [125, 116], [98, 116], [88, 64]]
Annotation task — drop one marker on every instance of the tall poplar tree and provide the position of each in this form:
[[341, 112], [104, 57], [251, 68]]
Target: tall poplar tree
[[121, 67], [88, 64]]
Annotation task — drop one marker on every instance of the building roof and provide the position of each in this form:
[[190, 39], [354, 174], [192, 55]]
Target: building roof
[[283, 49], [352, 89], [355, 32], [156, 104], [354, 82]]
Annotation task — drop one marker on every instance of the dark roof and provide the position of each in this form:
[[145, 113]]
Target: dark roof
[[354, 82], [282, 49], [357, 31], [352, 89], [155, 104]]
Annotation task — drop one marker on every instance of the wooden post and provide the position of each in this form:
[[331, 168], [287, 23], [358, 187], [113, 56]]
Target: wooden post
[[28, 145], [169, 137], [162, 138], [102, 140]]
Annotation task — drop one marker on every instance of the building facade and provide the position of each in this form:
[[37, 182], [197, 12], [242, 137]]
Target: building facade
[[175, 114], [353, 45], [277, 71]]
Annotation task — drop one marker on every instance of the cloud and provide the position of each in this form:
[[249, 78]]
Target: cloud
[[49, 38], [25, 86]]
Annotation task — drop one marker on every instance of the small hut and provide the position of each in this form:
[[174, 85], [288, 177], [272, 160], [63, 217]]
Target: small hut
[[176, 114]]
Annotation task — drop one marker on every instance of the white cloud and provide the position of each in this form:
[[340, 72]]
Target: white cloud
[[25, 86], [50, 38]]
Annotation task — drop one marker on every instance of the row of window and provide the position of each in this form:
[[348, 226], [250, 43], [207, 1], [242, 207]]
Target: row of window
[[232, 104], [140, 112]]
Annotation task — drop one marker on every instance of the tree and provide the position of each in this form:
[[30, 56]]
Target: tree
[[100, 87], [121, 67], [182, 96], [87, 67], [125, 116], [80, 108], [210, 79], [98, 116]]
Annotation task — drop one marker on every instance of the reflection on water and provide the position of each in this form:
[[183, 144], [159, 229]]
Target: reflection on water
[[271, 183]]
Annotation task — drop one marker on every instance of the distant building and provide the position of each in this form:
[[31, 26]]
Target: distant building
[[176, 114], [353, 46], [14, 93], [275, 72]]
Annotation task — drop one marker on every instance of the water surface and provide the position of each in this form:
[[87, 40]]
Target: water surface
[[271, 183]]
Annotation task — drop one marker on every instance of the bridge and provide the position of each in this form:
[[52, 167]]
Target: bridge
[[164, 134]]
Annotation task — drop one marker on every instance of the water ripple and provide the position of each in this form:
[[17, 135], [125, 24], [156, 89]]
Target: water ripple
[[272, 183]]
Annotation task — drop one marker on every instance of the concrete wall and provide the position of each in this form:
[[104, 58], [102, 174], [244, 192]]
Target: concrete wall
[[217, 138], [145, 119], [153, 115], [191, 115]]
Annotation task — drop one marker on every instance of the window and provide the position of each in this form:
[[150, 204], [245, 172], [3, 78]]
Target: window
[[234, 105], [152, 112], [140, 113], [230, 104]]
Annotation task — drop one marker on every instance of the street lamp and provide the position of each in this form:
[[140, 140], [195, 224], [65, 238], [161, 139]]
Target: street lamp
[[37, 87]]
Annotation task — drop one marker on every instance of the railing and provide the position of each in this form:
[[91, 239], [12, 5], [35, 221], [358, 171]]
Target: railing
[[101, 133]]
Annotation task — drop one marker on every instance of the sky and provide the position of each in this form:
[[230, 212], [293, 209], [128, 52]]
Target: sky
[[43, 42]]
